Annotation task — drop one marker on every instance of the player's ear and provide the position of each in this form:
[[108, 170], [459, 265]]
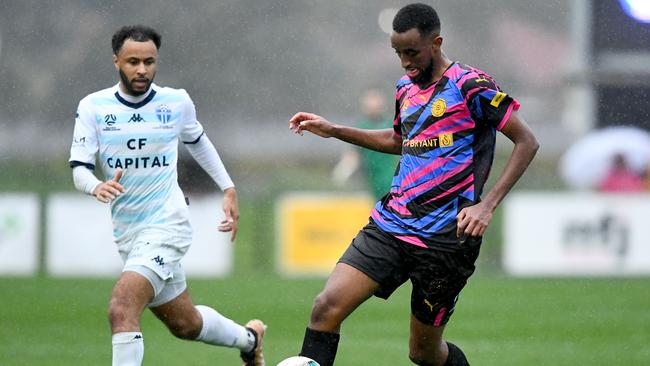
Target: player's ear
[[437, 42], [117, 67]]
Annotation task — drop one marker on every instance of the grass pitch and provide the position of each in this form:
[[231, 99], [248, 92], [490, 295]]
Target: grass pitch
[[499, 321]]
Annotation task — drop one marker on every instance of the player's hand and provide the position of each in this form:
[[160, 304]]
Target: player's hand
[[473, 220], [111, 189], [313, 123], [231, 209]]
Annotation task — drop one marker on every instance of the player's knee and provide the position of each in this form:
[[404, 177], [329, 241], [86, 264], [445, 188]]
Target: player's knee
[[425, 355], [324, 309], [119, 315], [419, 359], [186, 328]]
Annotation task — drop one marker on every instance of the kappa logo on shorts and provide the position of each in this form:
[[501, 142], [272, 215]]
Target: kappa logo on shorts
[[158, 259]]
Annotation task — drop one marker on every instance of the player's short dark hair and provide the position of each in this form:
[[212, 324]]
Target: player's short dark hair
[[138, 33], [420, 16]]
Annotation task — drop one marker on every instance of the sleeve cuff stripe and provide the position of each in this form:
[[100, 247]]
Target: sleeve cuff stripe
[[75, 163], [195, 141]]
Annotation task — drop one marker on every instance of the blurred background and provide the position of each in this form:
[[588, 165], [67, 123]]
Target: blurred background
[[250, 65], [578, 67]]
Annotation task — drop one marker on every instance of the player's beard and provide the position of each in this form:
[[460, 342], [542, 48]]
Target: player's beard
[[129, 87], [424, 78]]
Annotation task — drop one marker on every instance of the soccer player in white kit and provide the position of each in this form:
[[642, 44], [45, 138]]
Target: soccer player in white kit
[[133, 128]]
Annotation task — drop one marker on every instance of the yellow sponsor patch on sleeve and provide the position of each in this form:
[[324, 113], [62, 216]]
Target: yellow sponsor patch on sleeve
[[498, 97]]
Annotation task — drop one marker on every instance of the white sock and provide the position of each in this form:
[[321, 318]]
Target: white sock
[[128, 349], [221, 331]]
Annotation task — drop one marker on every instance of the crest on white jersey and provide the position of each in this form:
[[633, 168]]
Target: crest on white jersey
[[163, 113]]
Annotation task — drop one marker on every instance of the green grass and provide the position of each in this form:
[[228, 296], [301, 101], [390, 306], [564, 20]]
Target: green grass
[[499, 321]]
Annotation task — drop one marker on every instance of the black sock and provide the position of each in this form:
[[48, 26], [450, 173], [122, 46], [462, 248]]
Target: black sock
[[320, 346], [456, 356]]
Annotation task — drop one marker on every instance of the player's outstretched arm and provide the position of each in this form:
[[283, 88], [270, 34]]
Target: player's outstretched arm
[[231, 210], [208, 158], [379, 140], [473, 220]]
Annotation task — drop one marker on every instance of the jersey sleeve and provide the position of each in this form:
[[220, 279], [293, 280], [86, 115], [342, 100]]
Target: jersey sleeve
[[486, 101], [397, 128], [84, 140], [400, 93], [191, 129]]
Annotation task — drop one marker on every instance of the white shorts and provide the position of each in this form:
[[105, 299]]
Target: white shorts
[[157, 258]]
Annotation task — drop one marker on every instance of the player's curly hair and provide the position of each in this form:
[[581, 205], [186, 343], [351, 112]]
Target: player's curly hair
[[138, 33], [418, 15]]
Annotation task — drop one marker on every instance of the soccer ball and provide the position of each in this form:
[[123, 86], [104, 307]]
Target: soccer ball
[[298, 361]]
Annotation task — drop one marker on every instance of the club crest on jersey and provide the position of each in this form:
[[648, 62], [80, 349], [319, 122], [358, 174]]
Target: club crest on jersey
[[163, 113], [438, 108]]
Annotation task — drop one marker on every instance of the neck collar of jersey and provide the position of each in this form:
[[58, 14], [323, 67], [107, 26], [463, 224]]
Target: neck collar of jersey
[[135, 101]]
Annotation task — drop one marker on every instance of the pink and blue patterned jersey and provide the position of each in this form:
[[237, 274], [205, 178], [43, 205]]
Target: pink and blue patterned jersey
[[448, 135]]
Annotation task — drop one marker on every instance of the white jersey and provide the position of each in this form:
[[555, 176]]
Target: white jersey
[[142, 139]]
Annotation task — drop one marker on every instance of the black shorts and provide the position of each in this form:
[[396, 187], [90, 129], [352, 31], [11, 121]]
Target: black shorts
[[437, 276]]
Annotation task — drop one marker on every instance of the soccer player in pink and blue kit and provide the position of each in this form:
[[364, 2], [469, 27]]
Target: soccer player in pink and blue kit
[[428, 227]]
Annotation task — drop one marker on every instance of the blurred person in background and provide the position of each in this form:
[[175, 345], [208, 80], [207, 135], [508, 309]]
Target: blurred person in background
[[621, 178], [429, 228], [378, 167], [133, 128]]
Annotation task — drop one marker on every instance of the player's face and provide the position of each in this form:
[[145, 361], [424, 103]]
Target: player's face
[[136, 63], [416, 54]]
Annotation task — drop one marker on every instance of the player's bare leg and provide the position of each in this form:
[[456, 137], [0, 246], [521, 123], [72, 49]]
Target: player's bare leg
[[131, 294], [345, 290], [180, 316], [202, 323], [427, 348]]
